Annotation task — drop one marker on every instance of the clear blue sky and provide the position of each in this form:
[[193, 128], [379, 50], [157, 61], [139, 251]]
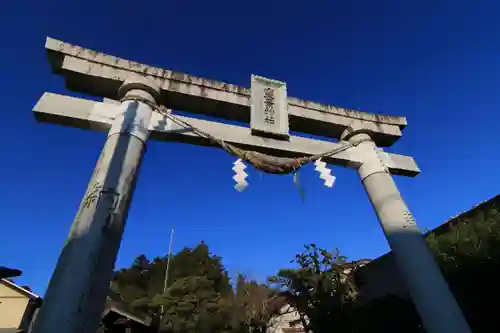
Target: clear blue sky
[[436, 63]]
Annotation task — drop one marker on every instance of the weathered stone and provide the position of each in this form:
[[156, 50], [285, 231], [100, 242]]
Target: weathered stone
[[99, 74], [268, 110], [86, 114]]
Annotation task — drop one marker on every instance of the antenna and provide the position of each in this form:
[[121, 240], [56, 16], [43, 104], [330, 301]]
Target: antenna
[[165, 281]]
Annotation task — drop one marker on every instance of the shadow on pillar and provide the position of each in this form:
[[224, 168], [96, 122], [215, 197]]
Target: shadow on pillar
[[79, 304]]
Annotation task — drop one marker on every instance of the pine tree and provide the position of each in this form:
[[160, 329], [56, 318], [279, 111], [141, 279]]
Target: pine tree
[[198, 298]]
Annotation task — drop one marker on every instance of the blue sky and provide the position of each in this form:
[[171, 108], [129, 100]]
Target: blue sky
[[435, 63]]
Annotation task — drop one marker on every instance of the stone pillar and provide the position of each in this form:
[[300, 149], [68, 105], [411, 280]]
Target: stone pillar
[[429, 291], [77, 291]]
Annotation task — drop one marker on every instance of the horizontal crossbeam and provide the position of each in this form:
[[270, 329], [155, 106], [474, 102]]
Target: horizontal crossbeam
[[99, 74], [86, 114]]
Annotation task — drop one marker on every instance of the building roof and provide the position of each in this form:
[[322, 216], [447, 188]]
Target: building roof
[[20, 289], [115, 308], [384, 267], [122, 313], [445, 227]]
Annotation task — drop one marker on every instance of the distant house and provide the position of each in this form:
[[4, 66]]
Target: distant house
[[287, 322], [117, 319], [120, 321], [17, 306]]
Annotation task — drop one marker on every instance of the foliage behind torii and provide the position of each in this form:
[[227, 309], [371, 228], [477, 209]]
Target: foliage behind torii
[[199, 298], [469, 256], [323, 288]]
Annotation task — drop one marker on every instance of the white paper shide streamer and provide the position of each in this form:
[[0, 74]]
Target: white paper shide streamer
[[240, 176], [324, 172]]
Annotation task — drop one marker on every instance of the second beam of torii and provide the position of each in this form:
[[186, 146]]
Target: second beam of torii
[[75, 298]]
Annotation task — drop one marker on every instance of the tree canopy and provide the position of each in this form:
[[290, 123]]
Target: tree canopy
[[199, 297], [324, 288], [321, 289]]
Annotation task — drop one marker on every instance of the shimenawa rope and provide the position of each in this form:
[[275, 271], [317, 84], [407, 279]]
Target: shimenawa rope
[[263, 162]]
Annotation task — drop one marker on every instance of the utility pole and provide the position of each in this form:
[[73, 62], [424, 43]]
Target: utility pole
[[85, 266], [165, 281]]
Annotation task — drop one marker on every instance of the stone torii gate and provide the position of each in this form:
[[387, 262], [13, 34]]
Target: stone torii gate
[[132, 92]]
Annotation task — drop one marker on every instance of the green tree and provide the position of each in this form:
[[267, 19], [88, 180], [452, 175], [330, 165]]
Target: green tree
[[191, 305], [254, 305], [467, 249], [323, 290], [199, 297], [468, 253]]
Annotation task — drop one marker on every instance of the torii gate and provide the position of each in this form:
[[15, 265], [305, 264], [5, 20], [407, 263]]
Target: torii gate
[[132, 92]]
